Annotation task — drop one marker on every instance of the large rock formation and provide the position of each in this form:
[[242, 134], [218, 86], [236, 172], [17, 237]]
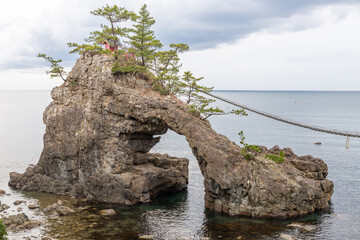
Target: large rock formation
[[100, 128]]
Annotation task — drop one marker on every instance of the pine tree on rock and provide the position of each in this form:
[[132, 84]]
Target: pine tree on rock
[[111, 33], [189, 87], [55, 69], [143, 41], [166, 67], [113, 14]]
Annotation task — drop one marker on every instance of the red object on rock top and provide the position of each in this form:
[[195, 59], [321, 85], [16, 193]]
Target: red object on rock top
[[111, 45]]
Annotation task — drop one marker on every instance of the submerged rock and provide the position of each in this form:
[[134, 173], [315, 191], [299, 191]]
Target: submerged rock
[[148, 237], [100, 129], [107, 212], [301, 226], [284, 236]]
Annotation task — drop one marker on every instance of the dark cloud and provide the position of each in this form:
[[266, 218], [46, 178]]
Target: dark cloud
[[226, 26], [200, 26]]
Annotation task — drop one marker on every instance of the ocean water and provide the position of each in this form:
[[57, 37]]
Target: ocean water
[[182, 215]]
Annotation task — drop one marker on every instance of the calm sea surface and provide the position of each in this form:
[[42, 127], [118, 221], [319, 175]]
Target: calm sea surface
[[183, 215]]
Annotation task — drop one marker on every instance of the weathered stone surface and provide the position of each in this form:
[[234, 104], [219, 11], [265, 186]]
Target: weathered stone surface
[[100, 128], [18, 202], [34, 206], [64, 210], [3, 207], [58, 209], [20, 222]]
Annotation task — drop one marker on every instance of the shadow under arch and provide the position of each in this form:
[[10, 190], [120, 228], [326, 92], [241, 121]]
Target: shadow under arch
[[183, 214]]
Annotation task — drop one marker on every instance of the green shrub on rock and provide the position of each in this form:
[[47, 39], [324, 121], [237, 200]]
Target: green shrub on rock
[[249, 151], [254, 148], [3, 232], [276, 158], [160, 89], [127, 67]]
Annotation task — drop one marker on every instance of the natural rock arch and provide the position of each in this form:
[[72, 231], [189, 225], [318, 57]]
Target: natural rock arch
[[100, 128]]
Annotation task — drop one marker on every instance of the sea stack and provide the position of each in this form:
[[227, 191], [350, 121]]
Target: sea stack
[[100, 128]]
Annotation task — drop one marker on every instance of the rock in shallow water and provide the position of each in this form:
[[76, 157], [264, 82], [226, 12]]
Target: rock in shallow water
[[99, 134], [20, 222], [63, 210], [284, 236], [107, 212], [148, 237], [34, 206], [3, 207], [301, 226], [18, 202], [46, 238], [58, 209]]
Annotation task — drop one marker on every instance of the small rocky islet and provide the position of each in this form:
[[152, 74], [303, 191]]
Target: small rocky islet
[[100, 128], [99, 132]]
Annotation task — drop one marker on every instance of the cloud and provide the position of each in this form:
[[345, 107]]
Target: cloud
[[206, 23], [36, 26], [321, 58], [30, 27]]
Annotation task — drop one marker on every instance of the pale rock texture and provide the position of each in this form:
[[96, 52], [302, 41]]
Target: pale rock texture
[[100, 128], [20, 222]]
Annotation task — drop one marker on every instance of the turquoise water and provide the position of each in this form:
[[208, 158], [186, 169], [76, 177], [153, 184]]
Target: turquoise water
[[183, 215]]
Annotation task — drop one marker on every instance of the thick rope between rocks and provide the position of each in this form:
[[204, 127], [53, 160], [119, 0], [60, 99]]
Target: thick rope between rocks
[[311, 127]]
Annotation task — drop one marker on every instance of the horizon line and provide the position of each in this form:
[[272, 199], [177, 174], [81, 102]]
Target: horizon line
[[222, 90]]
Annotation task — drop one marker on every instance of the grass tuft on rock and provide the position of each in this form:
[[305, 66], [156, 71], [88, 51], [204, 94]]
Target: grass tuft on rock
[[249, 151], [280, 158]]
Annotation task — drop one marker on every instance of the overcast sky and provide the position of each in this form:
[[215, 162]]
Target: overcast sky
[[234, 44]]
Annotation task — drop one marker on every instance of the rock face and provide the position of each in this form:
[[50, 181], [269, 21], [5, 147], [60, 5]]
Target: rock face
[[100, 128]]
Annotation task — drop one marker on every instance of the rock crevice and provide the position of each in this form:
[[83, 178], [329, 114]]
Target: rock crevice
[[100, 129]]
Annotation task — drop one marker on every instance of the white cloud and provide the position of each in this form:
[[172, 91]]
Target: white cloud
[[285, 56], [181, 13], [322, 58]]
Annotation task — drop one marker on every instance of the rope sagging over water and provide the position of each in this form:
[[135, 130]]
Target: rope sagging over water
[[311, 127]]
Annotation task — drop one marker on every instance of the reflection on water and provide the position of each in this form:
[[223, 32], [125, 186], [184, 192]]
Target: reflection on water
[[232, 227], [167, 217], [182, 215]]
